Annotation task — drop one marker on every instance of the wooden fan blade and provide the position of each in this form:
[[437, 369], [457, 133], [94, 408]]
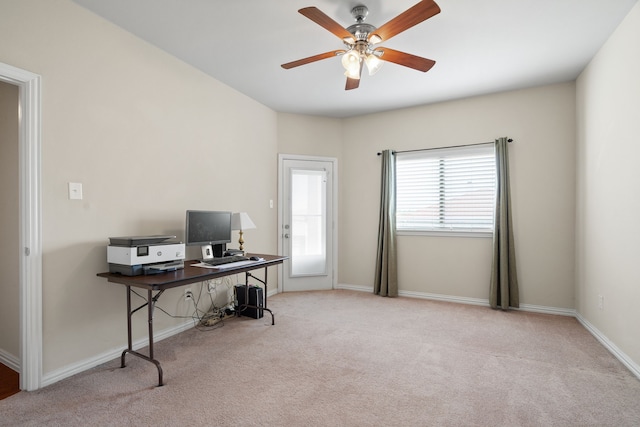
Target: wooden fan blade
[[320, 18], [313, 58], [406, 59], [407, 19], [352, 84]]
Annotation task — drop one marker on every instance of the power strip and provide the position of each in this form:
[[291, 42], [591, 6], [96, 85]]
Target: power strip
[[211, 321]]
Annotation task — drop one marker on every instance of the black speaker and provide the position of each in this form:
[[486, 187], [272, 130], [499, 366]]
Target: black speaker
[[256, 299], [218, 250]]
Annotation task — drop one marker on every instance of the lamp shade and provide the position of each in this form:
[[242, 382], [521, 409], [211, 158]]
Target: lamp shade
[[241, 221], [351, 59], [373, 64]]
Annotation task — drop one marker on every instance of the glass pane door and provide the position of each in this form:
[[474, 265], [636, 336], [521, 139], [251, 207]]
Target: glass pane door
[[308, 222]]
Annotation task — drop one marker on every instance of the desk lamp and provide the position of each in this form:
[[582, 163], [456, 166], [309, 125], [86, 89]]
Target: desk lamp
[[241, 221]]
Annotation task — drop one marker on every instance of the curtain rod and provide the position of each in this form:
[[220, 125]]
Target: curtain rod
[[439, 148]]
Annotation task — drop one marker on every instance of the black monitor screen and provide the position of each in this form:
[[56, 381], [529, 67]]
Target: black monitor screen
[[208, 227]]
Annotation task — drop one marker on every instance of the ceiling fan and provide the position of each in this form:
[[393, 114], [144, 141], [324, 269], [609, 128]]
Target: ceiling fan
[[361, 39]]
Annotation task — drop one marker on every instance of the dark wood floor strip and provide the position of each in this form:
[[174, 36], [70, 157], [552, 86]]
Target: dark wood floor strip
[[9, 382]]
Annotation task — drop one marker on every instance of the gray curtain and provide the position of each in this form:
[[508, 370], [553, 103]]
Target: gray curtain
[[503, 291], [386, 280]]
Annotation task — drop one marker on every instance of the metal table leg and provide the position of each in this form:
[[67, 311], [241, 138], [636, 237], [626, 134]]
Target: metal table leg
[[150, 304]]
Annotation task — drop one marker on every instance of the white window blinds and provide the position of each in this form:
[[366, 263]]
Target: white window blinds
[[448, 189]]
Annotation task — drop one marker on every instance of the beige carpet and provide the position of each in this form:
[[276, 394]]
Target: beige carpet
[[343, 358]]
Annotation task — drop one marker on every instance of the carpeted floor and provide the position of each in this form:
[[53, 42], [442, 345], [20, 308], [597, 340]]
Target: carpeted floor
[[354, 359]]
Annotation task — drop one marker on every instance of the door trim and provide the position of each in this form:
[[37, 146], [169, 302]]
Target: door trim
[[30, 273], [334, 213]]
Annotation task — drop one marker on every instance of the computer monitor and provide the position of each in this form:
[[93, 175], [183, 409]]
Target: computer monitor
[[208, 229]]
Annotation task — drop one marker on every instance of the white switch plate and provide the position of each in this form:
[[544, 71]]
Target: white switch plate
[[75, 191]]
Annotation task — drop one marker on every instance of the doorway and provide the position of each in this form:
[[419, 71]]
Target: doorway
[[30, 221], [9, 224], [307, 222]]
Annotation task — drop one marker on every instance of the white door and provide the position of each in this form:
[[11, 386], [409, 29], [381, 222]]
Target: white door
[[307, 223]]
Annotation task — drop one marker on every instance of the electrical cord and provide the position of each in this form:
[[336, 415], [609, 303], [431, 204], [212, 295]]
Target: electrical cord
[[199, 317], [214, 317]]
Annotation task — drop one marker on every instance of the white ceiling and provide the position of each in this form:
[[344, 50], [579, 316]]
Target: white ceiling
[[479, 47]]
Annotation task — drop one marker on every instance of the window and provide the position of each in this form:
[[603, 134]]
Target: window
[[446, 190]]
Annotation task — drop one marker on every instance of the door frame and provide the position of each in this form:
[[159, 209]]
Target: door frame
[[334, 213], [30, 217]]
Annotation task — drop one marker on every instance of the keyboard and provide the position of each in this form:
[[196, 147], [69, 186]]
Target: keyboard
[[225, 260]]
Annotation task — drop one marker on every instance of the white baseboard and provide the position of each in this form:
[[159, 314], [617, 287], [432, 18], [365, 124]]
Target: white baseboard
[[464, 300], [547, 310], [617, 353], [76, 368], [10, 360], [445, 298], [354, 287]]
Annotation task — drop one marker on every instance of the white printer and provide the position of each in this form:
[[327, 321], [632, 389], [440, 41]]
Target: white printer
[[136, 255]]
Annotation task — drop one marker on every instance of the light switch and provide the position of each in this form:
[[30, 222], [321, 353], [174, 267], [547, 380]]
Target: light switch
[[75, 191]]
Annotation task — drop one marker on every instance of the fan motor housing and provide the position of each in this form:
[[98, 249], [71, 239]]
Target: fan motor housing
[[360, 30]]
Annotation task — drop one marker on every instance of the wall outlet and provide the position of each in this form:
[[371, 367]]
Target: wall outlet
[[188, 295], [600, 302]]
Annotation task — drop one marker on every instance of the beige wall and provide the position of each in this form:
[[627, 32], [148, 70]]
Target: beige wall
[[542, 123], [9, 214], [608, 178], [149, 137], [309, 135]]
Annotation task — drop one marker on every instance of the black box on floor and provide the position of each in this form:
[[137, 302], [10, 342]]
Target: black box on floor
[[256, 298]]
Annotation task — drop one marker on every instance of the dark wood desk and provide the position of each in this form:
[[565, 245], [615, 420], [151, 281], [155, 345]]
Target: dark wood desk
[[159, 283]]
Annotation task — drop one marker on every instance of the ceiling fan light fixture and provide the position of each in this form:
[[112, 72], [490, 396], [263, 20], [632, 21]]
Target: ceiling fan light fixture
[[349, 41], [353, 73], [373, 63], [374, 39], [351, 59]]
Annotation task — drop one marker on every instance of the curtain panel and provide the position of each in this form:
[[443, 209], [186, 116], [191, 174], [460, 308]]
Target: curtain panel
[[386, 276], [503, 289]]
